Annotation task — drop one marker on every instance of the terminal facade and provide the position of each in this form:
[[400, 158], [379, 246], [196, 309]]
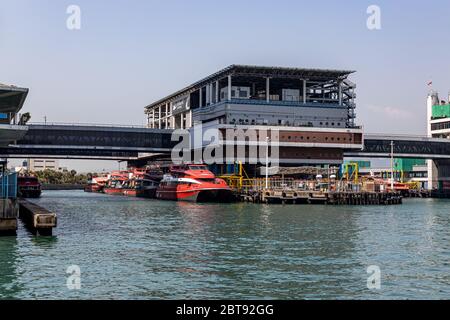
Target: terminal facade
[[312, 110]]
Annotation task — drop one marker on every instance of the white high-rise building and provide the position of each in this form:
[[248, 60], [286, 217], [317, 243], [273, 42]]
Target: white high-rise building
[[438, 126]]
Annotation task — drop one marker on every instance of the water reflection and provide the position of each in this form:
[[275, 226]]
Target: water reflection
[[9, 286], [44, 243], [134, 248]]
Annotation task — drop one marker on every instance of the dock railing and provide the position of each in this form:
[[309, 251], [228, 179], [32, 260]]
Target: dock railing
[[8, 185]]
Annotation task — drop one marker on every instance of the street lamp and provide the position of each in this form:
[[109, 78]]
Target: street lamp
[[267, 162], [392, 166]]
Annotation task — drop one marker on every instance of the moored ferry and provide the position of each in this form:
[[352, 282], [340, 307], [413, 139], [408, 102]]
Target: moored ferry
[[193, 182], [139, 187], [96, 184], [29, 187], [143, 183], [116, 182]]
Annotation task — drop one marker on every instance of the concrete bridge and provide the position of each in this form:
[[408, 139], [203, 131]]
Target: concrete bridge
[[128, 143], [405, 146], [114, 142], [77, 141]]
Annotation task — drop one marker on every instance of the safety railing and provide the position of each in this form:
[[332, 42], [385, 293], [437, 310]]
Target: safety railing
[[76, 124], [8, 186]]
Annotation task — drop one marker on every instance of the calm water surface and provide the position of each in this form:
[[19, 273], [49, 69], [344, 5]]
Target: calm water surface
[[147, 249]]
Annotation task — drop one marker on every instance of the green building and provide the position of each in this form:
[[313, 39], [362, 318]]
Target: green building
[[406, 165], [441, 111]]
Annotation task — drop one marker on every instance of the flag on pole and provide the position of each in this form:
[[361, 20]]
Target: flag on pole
[[430, 83]]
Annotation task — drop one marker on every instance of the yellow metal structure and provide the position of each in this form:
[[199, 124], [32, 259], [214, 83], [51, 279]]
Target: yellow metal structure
[[238, 178], [351, 171]]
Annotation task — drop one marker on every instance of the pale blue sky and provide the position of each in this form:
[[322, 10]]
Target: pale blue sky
[[130, 53]]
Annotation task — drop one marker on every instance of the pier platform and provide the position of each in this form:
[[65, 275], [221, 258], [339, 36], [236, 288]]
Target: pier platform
[[320, 197], [9, 209], [38, 220]]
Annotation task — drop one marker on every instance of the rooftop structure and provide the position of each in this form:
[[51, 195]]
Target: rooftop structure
[[12, 99], [253, 95]]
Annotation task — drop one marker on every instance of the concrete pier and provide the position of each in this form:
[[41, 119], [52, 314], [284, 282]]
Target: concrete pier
[[38, 220], [9, 209], [320, 197]]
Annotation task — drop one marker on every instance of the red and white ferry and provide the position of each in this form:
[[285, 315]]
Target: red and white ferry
[[116, 182], [143, 183], [193, 182], [96, 184]]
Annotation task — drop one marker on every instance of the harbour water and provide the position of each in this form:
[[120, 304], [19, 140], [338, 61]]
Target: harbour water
[[147, 249]]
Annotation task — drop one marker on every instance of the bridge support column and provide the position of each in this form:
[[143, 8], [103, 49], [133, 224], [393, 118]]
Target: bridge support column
[[440, 176], [432, 175]]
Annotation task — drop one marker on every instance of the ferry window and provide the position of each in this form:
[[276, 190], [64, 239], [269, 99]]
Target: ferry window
[[332, 123], [197, 168]]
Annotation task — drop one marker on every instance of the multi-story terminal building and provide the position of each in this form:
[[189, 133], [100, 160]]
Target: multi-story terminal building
[[312, 110], [12, 99], [12, 129]]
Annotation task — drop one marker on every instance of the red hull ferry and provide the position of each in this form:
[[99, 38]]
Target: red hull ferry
[[142, 184], [116, 182], [29, 187], [96, 184], [193, 182]]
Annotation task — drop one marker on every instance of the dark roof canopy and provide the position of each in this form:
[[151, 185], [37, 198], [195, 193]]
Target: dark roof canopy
[[12, 98], [261, 71]]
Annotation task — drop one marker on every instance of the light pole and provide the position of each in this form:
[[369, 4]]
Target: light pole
[[267, 162], [392, 166]]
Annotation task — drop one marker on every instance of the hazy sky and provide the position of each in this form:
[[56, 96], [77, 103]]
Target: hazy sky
[[130, 53]]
